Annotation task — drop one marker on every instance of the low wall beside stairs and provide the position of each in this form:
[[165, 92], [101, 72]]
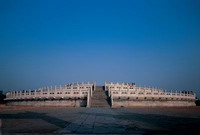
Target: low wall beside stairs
[[66, 103], [126, 103]]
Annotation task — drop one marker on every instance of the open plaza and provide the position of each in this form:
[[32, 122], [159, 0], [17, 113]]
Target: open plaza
[[62, 120]]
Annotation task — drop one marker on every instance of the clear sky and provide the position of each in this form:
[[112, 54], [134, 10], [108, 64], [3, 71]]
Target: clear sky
[[152, 43]]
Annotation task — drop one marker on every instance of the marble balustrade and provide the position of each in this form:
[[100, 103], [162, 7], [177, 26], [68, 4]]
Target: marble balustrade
[[69, 91], [131, 91]]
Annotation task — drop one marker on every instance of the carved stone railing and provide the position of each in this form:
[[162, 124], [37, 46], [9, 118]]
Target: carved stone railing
[[129, 91], [69, 91]]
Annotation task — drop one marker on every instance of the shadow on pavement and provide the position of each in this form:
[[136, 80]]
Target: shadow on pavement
[[33, 115], [155, 123]]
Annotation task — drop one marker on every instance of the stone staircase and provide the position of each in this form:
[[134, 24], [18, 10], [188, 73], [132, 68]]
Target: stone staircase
[[99, 98]]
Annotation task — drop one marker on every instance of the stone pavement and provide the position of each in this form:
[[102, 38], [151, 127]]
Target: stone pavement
[[62, 120], [100, 121]]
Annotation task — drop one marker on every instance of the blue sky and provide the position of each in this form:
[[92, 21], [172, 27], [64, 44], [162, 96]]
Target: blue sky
[[152, 43]]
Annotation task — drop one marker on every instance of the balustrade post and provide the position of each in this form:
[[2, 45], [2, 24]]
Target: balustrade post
[[95, 86], [20, 94], [109, 91], [105, 85], [55, 91], [48, 92], [111, 100], [79, 90], [91, 91], [17, 95], [35, 93], [24, 94], [30, 94], [71, 93], [88, 99], [13, 94]]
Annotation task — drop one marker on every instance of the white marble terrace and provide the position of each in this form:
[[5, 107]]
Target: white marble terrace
[[132, 92], [116, 91]]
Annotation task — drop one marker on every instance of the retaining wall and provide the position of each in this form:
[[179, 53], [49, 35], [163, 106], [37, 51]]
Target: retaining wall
[[116, 104], [67, 103]]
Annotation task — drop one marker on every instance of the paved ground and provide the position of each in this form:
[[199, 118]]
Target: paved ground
[[157, 120]]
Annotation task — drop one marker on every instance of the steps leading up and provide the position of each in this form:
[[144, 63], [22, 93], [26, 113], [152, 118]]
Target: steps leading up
[[99, 98]]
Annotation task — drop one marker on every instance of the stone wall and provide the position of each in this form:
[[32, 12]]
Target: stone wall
[[117, 104], [67, 103]]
